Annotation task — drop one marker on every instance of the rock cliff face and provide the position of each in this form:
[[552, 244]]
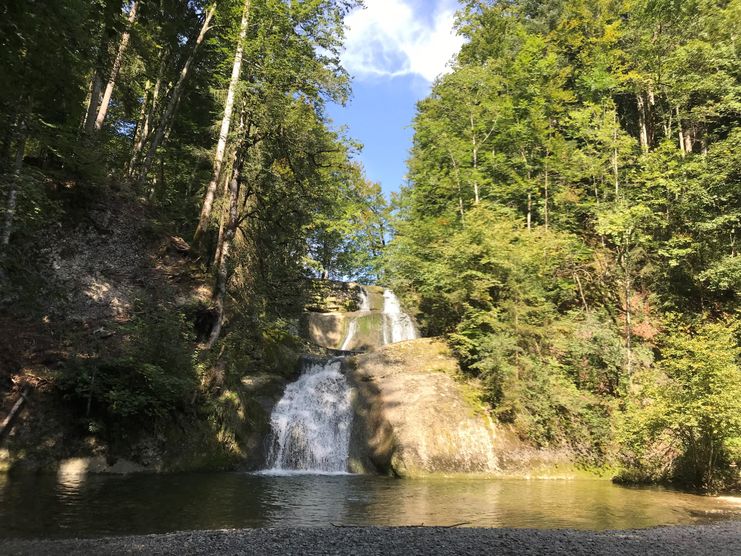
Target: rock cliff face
[[416, 415]]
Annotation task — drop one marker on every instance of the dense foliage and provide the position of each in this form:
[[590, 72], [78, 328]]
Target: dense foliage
[[210, 114], [574, 181]]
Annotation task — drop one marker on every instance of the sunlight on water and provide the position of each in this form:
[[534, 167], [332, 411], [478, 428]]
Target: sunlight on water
[[35, 506]]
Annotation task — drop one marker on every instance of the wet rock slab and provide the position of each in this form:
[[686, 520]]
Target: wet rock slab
[[717, 539]]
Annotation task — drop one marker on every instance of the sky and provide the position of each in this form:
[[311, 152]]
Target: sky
[[394, 49]]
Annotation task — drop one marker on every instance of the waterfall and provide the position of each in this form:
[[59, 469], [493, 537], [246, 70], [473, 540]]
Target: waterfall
[[352, 329], [311, 423], [364, 300], [397, 325]]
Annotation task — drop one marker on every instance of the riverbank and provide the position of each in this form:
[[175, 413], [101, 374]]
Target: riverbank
[[716, 539]]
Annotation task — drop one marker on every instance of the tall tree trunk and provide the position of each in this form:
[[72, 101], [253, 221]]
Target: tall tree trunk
[[642, 122], [649, 107], [616, 174], [529, 195], [681, 133], [689, 139], [225, 213], [222, 275], [208, 200], [177, 91], [475, 157], [12, 199], [625, 263], [458, 183], [117, 62], [96, 89], [545, 192], [151, 108], [142, 119]]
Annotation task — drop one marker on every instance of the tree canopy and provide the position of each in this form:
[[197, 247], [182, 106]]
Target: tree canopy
[[573, 182]]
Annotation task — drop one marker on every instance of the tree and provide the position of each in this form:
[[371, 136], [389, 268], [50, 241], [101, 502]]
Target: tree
[[117, 61], [691, 402], [225, 122], [571, 181]]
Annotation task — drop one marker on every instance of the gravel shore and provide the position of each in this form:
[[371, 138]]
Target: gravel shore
[[716, 539]]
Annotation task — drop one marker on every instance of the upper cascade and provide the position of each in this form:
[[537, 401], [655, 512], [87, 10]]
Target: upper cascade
[[397, 325], [356, 318], [394, 325], [364, 299]]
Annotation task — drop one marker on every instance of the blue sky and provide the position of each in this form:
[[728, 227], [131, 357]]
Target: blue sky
[[394, 50]]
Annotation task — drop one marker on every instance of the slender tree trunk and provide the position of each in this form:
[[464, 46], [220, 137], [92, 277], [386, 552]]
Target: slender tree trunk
[[628, 311], [581, 292], [681, 133], [208, 200], [475, 157], [222, 276], [615, 173], [151, 107], [96, 90], [117, 62], [689, 139], [642, 123], [458, 183], [668, 124], [529, 195], [141, 120], [222, 230], [12, 200], [177, 91], [649, 106], [232, 163], [545, 193]]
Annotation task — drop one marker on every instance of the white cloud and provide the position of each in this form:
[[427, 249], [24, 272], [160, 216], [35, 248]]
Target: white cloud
[[391, 38]]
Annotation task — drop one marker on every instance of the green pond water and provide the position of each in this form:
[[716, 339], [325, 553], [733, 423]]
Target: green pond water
[[75, 506]]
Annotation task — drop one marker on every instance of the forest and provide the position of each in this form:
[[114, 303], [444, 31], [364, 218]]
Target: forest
[[568, 226]]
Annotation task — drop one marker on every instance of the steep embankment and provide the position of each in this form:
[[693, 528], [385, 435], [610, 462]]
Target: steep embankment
[[416, 415], [101, 320]]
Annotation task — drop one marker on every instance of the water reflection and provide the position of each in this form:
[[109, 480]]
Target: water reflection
[[66, 506]]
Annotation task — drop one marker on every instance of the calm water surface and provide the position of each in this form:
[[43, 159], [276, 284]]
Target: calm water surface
[[51, 506]]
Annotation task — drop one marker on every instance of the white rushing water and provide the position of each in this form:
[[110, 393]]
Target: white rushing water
[[311, 423], [364, 300], [352, 330], [397, 325]]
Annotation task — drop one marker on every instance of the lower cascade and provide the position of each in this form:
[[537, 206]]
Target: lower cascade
[[311, 423]]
